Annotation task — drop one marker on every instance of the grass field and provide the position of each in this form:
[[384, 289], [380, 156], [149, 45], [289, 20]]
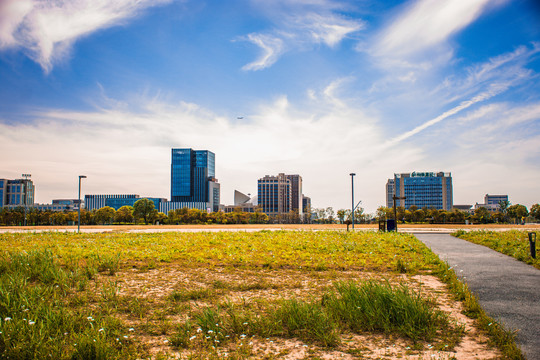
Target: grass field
[[267, 294], [513, 243]]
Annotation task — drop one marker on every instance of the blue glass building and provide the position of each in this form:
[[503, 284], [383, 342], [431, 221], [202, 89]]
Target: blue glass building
[[18, 192], [423, 189], [193, 177]]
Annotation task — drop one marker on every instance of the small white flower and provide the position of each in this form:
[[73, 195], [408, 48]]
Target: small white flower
[[125, 337], [131, 329], [165, 341], [242, 336], [191, 338], [90, 318], [245, 323], [30, 322], [100, 330], [199, 330], [7, 319], [210, 331]]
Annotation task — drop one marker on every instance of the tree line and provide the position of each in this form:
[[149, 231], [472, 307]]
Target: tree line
[[143, 211], [515, 214], [507, 214]]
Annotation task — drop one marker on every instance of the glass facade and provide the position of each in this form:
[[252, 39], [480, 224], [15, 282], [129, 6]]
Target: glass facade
[[19, 192], [431, 190], [191, 173], [181, 172]]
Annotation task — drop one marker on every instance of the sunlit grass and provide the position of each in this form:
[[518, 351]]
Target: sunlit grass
[[313, 249], [66, 296]]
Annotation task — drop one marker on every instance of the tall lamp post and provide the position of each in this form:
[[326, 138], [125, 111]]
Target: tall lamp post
[[395, 210], [352, 198], [25, 198], [79, 219]]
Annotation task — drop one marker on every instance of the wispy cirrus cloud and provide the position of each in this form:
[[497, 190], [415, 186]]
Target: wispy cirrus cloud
[[427, 24], [480, 82], [299, 26], [271, 48], [47, 29]]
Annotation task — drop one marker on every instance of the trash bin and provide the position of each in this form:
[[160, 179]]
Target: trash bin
[[532, 244], [382, 225], [391, 225]]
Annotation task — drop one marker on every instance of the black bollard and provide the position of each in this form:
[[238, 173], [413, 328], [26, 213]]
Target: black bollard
[[532, 244]]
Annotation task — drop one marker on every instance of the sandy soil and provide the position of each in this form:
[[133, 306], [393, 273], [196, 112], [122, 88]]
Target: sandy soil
[[157, 284]]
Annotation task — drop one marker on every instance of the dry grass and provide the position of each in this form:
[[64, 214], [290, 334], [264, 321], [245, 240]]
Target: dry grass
[[153, 288], [216, 286]]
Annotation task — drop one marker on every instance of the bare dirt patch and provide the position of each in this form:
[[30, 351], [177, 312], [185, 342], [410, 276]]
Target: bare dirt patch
[[198, 288]]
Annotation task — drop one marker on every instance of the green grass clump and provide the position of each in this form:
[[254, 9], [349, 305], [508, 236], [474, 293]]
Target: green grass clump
[[380, 307], [360, 307], [512, 243], [37, 321], [308, 321]]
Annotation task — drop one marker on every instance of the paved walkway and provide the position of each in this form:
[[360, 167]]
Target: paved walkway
[[507, 289]]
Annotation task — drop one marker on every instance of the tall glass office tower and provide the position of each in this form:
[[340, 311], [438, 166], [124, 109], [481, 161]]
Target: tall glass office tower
[[193, 176]]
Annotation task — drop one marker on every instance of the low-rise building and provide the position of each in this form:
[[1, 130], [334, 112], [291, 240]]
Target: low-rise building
[[16, 193], [116, 201]]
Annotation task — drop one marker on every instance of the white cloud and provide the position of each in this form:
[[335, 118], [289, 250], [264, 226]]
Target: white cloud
[[329, 29], [127, 151], [299, 26], [123, 151], [12, 13], [271, 49], [426, 24], [455, 110], [48, 29]]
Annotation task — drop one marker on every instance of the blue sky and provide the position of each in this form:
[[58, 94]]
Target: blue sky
[[320, 88]]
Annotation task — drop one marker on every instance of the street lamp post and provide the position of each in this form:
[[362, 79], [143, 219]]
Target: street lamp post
[[352, 198], [395, 211], [25, 198], [79, 218]]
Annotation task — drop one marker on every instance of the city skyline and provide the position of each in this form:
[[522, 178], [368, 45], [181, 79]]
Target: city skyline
[[323, 89]]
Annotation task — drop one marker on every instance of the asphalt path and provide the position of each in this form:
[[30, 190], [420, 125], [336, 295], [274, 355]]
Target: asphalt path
[[508, 290]]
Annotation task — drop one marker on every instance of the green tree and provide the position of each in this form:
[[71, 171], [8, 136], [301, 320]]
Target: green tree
[[160, 218], [518, 212], [384, 213], [535, 211], [124, 214], [144, 209], [341, 213], [105, 215], [482, 215], [59, 218], [258, 218], [504, 204]]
